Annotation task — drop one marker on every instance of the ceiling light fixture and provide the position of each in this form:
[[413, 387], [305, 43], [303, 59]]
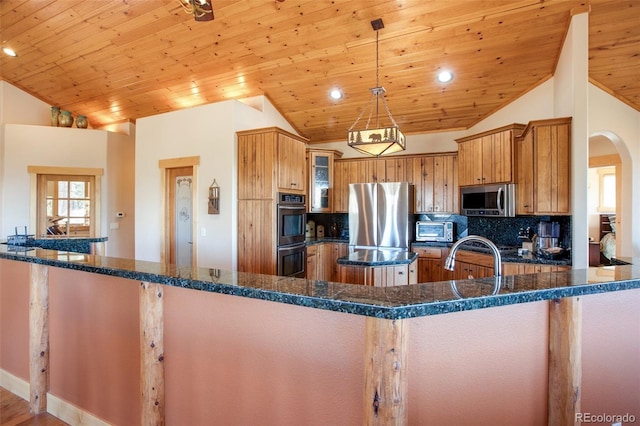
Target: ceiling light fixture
[[445, 76], [335, 93], [202, 10], [381, 139], [9, 52]]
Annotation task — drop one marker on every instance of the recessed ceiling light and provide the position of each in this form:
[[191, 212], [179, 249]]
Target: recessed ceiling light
[[335, 94], [9, 52], [445, 76]]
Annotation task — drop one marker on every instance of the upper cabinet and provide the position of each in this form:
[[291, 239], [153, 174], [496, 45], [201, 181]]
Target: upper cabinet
[[270, 160], [434, 176], [544, 168], [488, 157], [321, 179]]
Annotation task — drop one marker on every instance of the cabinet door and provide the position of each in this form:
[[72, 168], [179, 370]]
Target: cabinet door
[[291, 162], [341, 186], [469, 166], [552, 169], [312, 267], [257, 236], [257, 162], [398, 170], [320, 262], [524, 194], [423, 180], [320, 182], [445, 184], [497, 157]]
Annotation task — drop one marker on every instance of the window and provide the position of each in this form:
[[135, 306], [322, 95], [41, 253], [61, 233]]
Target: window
[[66, 200], [607, 188], [68, 204]]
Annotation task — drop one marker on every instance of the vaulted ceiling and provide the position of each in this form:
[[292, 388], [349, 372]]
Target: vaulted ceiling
[[126, 59]]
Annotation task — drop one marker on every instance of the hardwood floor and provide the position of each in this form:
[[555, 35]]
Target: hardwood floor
[[14, 411]]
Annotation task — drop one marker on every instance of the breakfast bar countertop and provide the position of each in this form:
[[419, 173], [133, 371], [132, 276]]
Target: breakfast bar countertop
[[416, 300]]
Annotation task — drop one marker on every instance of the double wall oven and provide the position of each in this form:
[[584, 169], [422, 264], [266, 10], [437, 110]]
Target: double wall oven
[[291, 235]]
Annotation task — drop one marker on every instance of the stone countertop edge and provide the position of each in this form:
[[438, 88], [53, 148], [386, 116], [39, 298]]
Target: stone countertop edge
[[401, 302]]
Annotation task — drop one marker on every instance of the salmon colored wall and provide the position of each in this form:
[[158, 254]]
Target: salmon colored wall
[[611, 353], [14, 318], [244, 361], [94, 344]]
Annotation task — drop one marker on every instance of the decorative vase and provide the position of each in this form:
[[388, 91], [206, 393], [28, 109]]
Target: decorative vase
[[82, 122], [55, 111], [65, 119]]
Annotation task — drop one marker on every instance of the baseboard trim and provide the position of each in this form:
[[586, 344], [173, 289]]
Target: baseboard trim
[[57, 407]]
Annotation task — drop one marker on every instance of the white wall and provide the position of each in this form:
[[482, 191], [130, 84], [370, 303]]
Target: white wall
[[620, 123], [206, 131], [27, 138], [27, 145], [571, 100]]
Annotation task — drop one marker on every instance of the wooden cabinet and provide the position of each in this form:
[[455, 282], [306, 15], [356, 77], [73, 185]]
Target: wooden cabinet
[[531, 268], [331, 253], [488, 157], [321, 179], [435, 178], [291, 161], [431, 264], [316, 263], [270, 160], [257, 236], [544, 168], [379, 276]]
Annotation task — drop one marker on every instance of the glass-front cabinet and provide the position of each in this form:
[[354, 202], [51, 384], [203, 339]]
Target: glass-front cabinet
[[321, 179]]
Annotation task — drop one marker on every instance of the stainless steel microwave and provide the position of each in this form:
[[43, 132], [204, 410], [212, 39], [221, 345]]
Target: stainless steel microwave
[[433, 231], [488, 200]]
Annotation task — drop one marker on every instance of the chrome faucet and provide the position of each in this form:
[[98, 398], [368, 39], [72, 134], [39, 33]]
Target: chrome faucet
[[450, 261]]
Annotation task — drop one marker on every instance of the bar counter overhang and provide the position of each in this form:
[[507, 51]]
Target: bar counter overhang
[[409, 350]]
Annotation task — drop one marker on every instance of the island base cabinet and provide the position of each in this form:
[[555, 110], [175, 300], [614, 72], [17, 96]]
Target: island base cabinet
[[379, 276]]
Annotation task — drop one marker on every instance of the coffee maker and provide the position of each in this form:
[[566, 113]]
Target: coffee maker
[[548, 236]]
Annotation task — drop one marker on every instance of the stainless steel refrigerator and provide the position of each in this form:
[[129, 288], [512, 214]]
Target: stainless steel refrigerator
[[381, 215]]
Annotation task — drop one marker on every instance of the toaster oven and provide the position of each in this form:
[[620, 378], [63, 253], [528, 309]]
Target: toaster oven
[[433, 231]]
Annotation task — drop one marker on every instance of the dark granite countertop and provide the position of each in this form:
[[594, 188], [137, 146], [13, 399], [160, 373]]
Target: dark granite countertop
[[508, 254], [65, 243], [378, 257], [416, 300]]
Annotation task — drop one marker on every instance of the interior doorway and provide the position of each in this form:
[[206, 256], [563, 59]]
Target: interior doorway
[[180, 212]]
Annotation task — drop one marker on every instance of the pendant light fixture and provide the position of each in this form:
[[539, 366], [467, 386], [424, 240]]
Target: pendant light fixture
[[382, 138]]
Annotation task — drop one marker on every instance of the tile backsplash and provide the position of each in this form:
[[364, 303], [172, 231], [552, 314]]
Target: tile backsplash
[[502, 231]]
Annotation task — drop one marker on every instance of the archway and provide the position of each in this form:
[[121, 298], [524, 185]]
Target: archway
[[607, 149]]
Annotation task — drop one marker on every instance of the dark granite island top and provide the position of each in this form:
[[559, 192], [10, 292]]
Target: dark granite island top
[[378, 257], [400, 302]]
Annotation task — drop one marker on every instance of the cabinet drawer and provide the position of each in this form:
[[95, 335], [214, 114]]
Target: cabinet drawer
[[312, 250], [428, 252]]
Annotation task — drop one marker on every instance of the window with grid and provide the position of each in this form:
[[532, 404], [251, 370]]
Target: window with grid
[[67, 203]]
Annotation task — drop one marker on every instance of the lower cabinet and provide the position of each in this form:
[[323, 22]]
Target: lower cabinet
[[322, 261], [530, 268], [379, 276], [431, 264]]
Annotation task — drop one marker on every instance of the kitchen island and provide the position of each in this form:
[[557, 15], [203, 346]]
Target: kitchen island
[[289, 350]]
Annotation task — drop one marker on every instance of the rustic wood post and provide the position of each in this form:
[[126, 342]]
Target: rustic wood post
[[565, 361], [151, 354], [38, 338], [385, 375]]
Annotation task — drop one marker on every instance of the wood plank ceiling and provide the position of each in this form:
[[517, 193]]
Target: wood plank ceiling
[[127, 59]]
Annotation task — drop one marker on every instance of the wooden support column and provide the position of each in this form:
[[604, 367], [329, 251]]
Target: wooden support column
[[38, 338], [565, 361], [152, 354], [385, 375]]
